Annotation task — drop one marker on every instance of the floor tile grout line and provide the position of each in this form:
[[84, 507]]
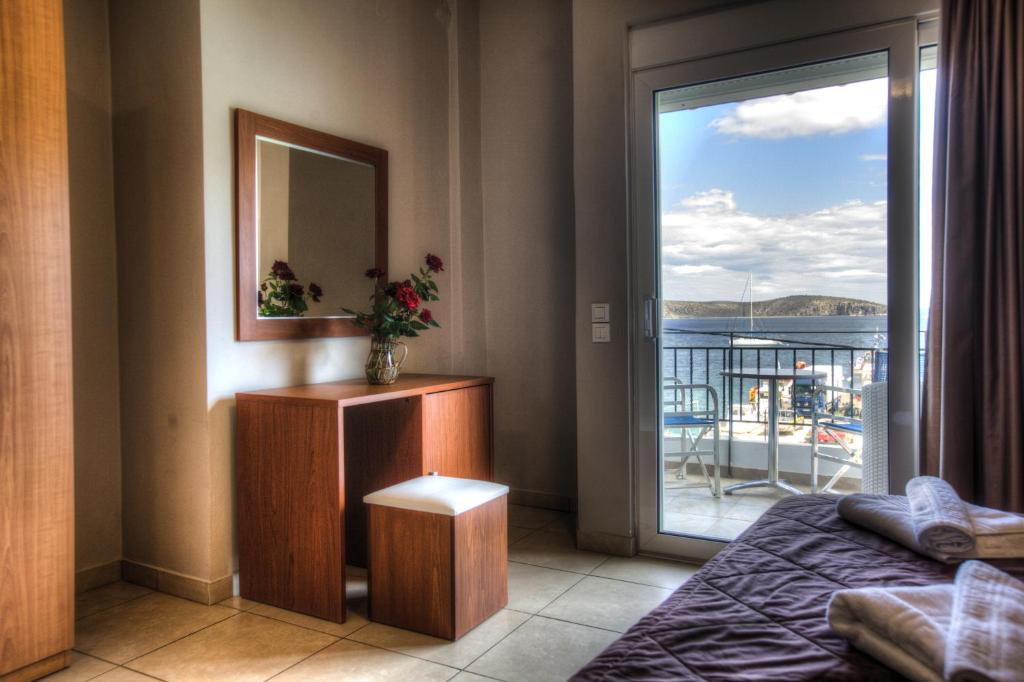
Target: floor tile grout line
[[116, 666], [114, 606], [381, 648], [305, 658], [550, 568], [86, 653], [509, 634], [606, 560], [420, 658], [556, 597], [306, 627], [236, 614], [486, 677], [586, 625], [533, 531], [636, 582], [139, 672]]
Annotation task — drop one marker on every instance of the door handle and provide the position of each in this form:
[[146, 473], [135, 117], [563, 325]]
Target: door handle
[[650, 308]]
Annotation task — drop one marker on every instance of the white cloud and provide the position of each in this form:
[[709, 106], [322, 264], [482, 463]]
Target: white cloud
[[709, 245], [874, 157], [684, 270], [833, 110], [714, 200]]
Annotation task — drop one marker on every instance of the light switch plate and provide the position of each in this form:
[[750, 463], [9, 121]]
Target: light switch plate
[[600, 312], [601, 332]]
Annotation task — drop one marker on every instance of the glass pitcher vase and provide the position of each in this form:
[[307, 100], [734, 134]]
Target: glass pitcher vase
[[382, 367]]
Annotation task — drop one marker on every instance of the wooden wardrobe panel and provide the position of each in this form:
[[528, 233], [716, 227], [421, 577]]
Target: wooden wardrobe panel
[[36, 474], [457, 439], [291, 507]]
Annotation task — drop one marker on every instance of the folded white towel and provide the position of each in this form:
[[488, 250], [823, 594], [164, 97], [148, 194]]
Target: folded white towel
[[986, 633], [967, 631], [997, 534], [941, 522], [903, 627], [887, 515]]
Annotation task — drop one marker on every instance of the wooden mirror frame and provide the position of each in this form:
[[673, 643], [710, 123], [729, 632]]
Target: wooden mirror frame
[[249, 126]]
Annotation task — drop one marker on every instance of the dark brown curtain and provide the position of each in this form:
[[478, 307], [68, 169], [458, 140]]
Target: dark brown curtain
[[973, 423]]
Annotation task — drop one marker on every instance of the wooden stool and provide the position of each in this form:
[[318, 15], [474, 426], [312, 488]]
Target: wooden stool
[[438, 554]]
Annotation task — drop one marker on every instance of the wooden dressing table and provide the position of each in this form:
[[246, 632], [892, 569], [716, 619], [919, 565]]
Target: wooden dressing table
[[306, 456]]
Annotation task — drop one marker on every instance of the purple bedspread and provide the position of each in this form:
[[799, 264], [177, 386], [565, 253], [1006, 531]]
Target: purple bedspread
[[757, 610]]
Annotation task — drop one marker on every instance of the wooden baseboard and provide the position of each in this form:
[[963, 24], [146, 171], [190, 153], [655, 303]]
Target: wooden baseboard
[[186, 587], [605, 543], [34, 671], [97, 576], [535, 498]]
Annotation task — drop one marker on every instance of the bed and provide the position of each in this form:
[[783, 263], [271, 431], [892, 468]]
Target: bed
[[757, 610]]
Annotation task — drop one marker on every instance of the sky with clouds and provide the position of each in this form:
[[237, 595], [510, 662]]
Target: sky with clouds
[[790, 189]]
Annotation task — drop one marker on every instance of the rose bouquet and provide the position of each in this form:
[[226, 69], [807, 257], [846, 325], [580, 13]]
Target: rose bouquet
[[397, 311], [280, 295]]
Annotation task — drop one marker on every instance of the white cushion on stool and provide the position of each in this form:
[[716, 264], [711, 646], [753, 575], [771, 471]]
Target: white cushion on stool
[[438, 494]]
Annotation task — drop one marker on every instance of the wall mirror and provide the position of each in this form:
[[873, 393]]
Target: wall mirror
[[311, 219]]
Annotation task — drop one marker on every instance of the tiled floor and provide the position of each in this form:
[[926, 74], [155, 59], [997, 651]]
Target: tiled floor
[[565, 606], [693, 510]]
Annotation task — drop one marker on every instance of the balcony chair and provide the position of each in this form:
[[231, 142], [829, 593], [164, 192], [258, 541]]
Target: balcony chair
[[872, 457], [693, 419]]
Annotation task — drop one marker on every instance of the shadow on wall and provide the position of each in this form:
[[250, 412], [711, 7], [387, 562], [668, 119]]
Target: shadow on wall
[[224, 411]]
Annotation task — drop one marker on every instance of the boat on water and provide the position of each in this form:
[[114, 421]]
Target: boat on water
[[751, 341]]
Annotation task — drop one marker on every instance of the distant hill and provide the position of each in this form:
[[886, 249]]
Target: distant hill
[[787, 306]]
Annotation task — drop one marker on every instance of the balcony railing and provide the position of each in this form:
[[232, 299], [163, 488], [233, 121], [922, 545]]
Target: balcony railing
[[703, 365]]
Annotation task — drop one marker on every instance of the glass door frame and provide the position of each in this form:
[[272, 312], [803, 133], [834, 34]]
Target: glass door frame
[[900, 40]]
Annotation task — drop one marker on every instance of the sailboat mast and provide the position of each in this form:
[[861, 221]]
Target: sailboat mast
[[750, 285]]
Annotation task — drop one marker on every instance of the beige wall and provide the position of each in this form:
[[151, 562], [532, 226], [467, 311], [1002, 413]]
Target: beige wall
[[480, 152], [94, 289], [372, 72], [602, 265], [466, 259], [526, 147], [158, 172]]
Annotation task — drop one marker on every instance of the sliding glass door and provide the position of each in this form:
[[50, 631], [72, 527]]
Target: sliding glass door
[[775, 258]]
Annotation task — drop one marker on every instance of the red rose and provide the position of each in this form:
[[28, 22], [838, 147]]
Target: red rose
[[374, 273], [434, 263], [315, 291], [426, 316], [282, 270], [407, 296]]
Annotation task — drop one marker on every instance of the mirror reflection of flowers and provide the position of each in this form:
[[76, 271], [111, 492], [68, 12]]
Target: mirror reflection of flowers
[[398, 306], [280, 295]]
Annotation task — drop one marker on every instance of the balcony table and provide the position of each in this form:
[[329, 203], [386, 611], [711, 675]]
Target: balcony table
[[773, 377]]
